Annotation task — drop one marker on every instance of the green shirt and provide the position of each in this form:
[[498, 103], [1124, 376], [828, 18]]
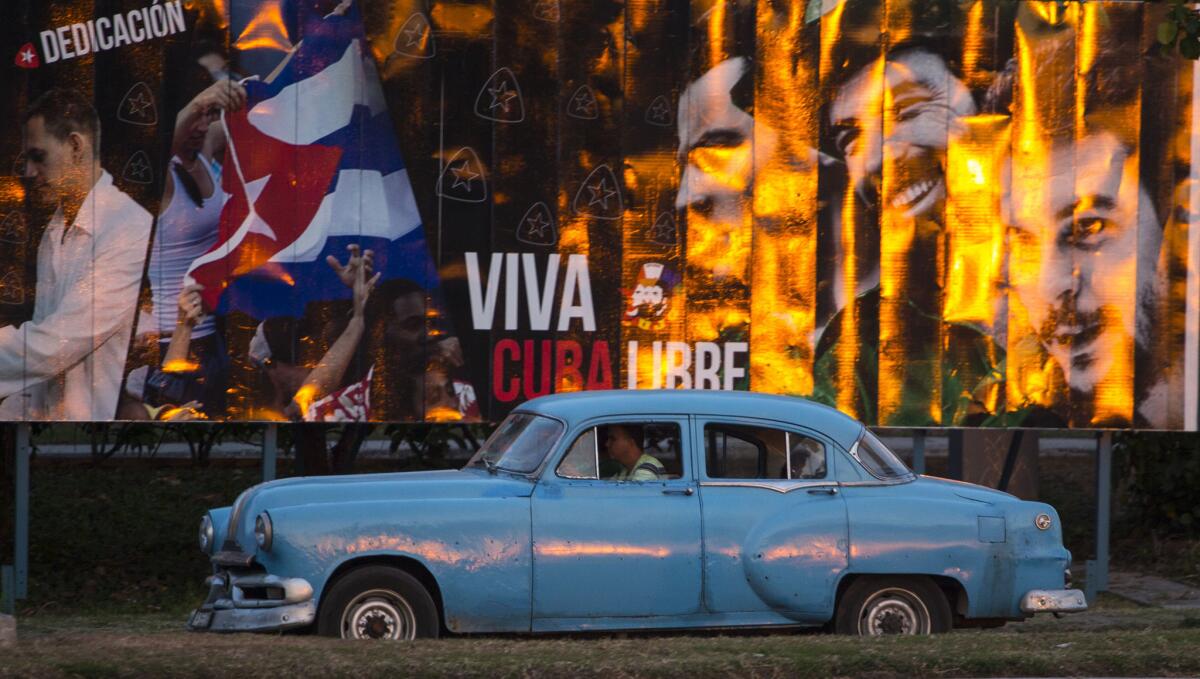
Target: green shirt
[[648, 468]]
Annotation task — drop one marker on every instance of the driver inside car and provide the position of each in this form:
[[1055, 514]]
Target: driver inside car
[[636, 465]]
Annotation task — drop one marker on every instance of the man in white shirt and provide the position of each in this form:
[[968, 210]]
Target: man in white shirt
[[66, 362]]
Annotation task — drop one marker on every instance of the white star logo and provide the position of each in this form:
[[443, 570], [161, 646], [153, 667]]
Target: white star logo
[[27, 55], [659, 110], [537, 225], [501, 96], [139, 167], [414, 34], [584, 103], [600, 194], [138, 104], [463, 176]]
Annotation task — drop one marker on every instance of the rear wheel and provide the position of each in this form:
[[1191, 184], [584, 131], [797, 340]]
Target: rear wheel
[[875, 606], [378, 602]]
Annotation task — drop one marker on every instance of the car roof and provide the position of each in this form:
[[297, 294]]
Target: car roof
[[581, 405]]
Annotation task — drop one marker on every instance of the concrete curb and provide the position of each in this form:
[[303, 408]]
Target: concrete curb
[[1149, 590]]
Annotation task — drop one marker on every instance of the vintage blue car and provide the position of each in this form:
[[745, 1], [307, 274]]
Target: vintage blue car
[[625, 510]]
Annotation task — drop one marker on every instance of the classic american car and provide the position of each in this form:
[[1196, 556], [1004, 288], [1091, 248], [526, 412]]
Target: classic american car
[[623, 510]]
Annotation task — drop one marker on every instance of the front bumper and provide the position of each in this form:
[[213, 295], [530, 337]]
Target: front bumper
[[254, 602], [1053, 601]]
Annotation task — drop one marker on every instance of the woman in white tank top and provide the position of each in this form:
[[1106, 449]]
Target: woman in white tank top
[[187, 227]]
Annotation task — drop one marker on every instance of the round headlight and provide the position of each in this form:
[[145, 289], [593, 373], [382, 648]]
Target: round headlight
[[1043, 522], [263, 532], [206, 534]]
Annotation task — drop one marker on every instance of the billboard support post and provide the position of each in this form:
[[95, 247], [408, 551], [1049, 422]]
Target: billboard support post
[[1097, 569], [21, 527], [954, 439], [918, 448], [270, 452], [7, 598]]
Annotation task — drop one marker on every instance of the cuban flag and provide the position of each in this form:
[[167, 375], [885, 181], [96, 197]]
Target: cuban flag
[[312, 164]]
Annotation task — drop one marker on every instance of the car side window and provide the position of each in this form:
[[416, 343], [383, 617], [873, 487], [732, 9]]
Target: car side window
[[735, 451], [625, 451]]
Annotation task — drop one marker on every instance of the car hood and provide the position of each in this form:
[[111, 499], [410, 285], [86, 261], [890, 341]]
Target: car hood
[[434, 485]]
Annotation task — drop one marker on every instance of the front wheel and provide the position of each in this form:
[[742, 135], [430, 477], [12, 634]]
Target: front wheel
[[378, 602], [876, 606]]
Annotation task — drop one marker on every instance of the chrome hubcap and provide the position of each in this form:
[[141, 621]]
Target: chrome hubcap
[[893, 611], [379, 614]]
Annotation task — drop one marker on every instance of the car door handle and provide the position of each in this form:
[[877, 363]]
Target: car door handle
[[829, 490], [678, 491]]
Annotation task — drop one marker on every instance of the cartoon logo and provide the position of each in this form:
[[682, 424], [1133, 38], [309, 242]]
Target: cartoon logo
[[537, 226], [500, 99], [650, 298], [138, 170], [659, 112], [546, 10], [599, 196], [12, 289], [415, 38], [12, 229], [583, 104], [463, 178], [663, 231], [137, 106], [27, 57]]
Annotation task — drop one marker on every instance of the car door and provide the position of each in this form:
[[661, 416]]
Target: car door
[[604, 548], [775, 526]]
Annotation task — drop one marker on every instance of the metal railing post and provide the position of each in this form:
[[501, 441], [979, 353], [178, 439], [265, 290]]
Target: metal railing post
[[1097, 569], [7, 585], [954, 439], [21, 529], [270, 451], [918, 448]]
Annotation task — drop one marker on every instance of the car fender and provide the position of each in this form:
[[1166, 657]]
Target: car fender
[[477, 550], [793, 558]]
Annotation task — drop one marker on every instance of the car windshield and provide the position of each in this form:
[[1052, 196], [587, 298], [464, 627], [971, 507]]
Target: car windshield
[[878, 459], [519, 444]]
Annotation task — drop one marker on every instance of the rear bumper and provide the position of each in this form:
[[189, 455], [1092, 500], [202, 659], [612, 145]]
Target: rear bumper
[[1053, 601], [254, 602]]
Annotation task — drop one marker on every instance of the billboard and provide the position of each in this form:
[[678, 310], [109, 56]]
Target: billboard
[[922, 212]]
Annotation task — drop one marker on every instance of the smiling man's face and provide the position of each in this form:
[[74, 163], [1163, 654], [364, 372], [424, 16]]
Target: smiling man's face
[[1080, 228], [921, 101]]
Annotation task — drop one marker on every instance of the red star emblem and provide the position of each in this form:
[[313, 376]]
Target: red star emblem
[[27, 57]]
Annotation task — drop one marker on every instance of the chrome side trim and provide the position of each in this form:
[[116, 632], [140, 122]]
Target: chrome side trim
[[781, 486], [235, 515], [877, 482]]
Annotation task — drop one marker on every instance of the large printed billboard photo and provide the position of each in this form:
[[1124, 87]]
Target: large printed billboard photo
[[960, 213]]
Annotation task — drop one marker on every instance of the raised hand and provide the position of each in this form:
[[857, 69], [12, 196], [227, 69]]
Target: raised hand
[[358, 258], [363, 287], [191, 306], [223, 94]]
